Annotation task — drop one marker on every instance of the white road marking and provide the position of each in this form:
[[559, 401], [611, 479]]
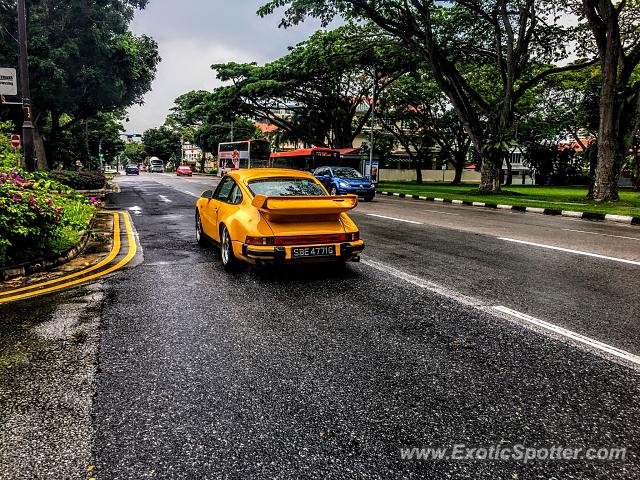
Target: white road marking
[[441, 213], [189, 193], [165, 199], [601, 234], [422, 283], [394, 218], [525, 320], [611, 350], [568, 250]]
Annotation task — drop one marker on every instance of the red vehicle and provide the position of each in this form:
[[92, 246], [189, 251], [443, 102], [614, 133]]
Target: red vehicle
[[184, 170]]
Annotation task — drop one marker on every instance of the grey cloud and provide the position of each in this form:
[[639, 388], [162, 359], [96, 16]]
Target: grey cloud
[[192, 35]]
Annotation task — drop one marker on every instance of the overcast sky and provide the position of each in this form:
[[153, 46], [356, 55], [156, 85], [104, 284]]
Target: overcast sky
[[194, 34]]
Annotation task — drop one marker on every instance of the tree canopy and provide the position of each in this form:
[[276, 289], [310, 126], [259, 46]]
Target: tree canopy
[[515, 43], [83, 61]]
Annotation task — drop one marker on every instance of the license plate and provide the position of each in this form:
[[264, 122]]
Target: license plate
[[305, 252]]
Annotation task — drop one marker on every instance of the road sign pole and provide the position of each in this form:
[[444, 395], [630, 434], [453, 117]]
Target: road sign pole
[[27, 125]]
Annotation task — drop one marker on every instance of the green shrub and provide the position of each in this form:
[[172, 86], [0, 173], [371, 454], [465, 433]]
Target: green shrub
[[81, 180], [38, 215]]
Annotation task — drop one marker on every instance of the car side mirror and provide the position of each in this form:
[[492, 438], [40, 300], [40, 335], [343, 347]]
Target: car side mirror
[[207, 194]]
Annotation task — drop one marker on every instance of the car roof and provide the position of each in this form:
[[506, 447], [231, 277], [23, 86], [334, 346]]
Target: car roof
[[256, 173]]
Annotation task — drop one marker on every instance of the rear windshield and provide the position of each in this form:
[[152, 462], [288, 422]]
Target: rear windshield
[[285, 187]]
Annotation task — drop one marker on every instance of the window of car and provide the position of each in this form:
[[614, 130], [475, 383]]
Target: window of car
[[346, 172], [228, 191], [321, 172], [285, 187], [224, 189], [235, 197]]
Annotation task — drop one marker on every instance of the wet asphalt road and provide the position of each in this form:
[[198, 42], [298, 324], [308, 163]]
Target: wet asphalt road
[[303, 374]]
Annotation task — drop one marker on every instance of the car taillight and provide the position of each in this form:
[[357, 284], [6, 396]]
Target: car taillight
[[260, 241], [352, 237]]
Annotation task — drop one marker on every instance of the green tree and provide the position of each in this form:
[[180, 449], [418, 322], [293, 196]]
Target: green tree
[[418, 115], [616, 32], [314, 92], [516, 42], [83, 61], [162, 142], [134, 152]]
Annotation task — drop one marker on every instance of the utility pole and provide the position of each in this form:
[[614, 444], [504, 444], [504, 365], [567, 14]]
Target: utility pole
[[374, 101], [100, 155], [27, 125], [182, 149]]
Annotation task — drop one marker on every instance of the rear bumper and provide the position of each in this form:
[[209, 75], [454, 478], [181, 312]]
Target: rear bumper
[[345, 252], [360, 192]]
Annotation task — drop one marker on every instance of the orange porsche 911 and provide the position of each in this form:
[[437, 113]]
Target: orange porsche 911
[[268, 215]]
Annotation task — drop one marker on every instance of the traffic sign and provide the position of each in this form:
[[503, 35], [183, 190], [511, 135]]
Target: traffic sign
[[15, 141], [8, 81]]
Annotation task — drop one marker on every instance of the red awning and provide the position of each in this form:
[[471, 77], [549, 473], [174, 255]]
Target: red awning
[[301, 153], [348, 151]]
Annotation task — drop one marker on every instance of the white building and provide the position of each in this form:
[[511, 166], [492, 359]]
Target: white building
[[191, 154]]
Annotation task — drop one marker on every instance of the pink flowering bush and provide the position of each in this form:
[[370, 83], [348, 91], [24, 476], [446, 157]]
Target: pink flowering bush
[[38, 215]]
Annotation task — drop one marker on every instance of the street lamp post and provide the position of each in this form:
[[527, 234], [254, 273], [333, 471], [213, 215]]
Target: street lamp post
[[373, 113], [100, 156], [27, 125]]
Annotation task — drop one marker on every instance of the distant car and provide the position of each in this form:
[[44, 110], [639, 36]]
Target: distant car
[[142, 168], [184, 170], [345, 181], [132, 170], [268, 215]]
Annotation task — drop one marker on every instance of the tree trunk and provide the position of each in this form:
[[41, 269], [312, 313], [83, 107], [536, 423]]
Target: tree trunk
[[458, 164], [490, 172], [53, 141], [509, 179], [610, 153], [87, 151], [418, 167], [41, 155], [635, 169]]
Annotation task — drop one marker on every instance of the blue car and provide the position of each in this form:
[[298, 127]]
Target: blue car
[[345, 180]]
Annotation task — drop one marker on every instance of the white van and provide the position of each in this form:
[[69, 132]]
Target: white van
[[156, 165]]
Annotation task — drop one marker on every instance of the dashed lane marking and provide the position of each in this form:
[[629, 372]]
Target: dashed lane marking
[[394, 218], [601, 234], [602, 349], [591, 342], [569, 250]]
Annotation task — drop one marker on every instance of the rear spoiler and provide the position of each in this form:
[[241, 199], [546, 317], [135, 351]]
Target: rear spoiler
[[303, 208]]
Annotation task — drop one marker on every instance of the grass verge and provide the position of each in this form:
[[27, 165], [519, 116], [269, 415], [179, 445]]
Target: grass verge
[[556, 198]]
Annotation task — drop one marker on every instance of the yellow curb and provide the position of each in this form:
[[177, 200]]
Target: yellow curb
[[114, 252], [130, 254]]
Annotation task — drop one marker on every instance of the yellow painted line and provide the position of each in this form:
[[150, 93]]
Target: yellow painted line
[[114, 252], [130, 254]]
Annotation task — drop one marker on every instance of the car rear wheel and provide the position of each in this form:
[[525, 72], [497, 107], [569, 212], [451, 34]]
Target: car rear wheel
[[229, 261], [200, 238]]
